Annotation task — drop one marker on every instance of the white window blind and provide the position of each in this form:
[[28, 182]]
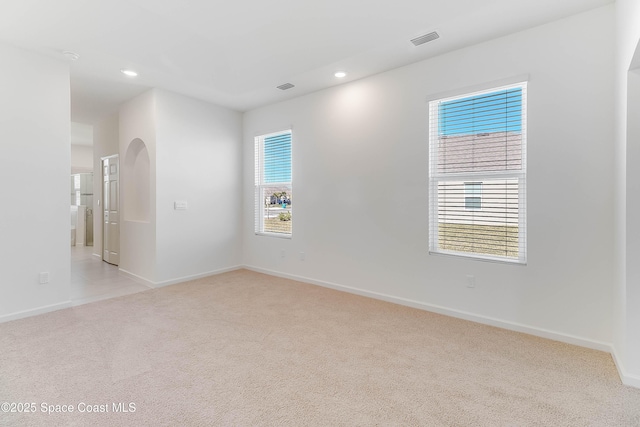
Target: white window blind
[[477, 171], [273, 189]]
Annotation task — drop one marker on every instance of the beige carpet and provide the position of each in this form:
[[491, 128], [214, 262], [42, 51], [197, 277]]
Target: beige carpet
[[247, 349]]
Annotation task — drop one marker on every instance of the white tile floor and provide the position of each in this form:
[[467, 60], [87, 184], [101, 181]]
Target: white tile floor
[[95, 280]]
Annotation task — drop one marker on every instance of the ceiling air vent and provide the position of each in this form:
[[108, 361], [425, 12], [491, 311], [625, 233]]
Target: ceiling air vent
[[425, 39], [285, 86]]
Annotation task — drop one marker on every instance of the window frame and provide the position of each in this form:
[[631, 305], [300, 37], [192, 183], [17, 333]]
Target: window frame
[[472, 177], [260, 185]]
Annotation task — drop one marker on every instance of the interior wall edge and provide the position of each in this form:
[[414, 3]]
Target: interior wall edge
[[626, 378]]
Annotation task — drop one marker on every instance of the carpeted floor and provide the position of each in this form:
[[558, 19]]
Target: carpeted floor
[[245, 349]]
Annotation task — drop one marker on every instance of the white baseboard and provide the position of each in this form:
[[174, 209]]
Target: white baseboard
[[196, 276], [504, 324], [97, 255], [137, 278], [627, 379], [35, 311], [153, 284]]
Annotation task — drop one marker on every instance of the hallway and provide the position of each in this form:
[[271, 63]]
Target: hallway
[[95, 280]]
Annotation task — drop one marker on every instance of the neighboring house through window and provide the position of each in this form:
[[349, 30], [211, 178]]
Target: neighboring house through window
[[273, 189], [477, 149], [473, 196]]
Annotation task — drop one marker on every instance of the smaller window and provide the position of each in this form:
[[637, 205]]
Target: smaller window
[[273, 187], [473, 196]]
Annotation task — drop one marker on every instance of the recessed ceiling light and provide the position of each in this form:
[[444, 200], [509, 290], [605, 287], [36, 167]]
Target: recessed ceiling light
[[71, 55], [129, 73], [340, 74]]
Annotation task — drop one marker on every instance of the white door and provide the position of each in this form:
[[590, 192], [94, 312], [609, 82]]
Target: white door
[[111, 209]]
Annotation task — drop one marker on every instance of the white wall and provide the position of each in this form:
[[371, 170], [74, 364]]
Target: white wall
[[34, 221], [81, 159], [198, 161], [364, 146], [626, 338], [105, 143], [195, 156], [137, 119], [632, 289]]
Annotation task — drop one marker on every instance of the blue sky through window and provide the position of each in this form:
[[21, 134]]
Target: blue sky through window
[[485, 113], [277, 158]]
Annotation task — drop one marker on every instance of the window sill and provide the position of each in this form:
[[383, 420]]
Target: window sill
[[480, 258], [277, 235]]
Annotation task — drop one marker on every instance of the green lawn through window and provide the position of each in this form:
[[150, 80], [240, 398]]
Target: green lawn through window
[[480, 239]]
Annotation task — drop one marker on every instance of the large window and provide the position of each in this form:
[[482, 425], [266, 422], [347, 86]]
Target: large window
[[477, 149], [273, 190]]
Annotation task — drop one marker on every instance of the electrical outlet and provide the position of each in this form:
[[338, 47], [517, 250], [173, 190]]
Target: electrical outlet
[[471, 281], [283, 254], [44, 277], [302, 256]]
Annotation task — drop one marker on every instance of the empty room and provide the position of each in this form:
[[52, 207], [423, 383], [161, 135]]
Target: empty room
[[419, 213]]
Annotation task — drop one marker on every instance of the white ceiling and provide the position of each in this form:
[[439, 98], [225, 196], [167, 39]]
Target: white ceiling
[[235, 53]]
